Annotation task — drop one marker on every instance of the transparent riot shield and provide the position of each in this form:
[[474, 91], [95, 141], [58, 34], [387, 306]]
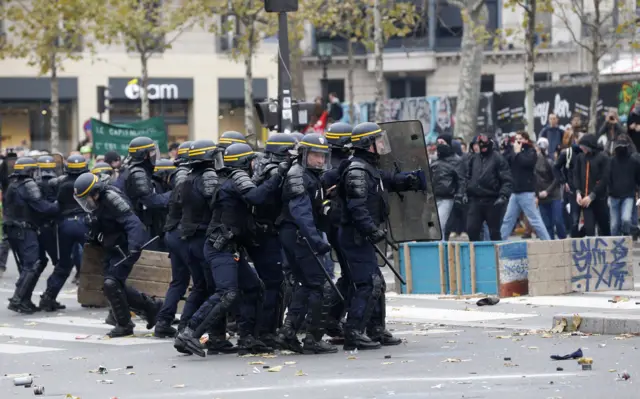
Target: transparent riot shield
[[413, 214], [59, 160]]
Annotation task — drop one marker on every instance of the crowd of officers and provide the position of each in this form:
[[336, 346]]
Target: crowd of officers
[[214, 209]]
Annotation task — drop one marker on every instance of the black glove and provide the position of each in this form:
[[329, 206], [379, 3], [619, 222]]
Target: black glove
[[377, 236], [500, 201], [461, 199], [323, 248], [283, 168]]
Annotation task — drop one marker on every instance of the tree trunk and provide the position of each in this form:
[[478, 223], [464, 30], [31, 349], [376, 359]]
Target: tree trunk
[[55, 107], [145, 112], [350, 67], [530, 66], [471, 54], [248, 87], [297, 72], [378, 49], [595, 89]]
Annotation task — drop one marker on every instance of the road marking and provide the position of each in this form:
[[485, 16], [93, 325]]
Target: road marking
[[576, 301], [36, 293], [75, 337], [448, 315], [425, 332], [14, 349], [314, 384], [72, 321]]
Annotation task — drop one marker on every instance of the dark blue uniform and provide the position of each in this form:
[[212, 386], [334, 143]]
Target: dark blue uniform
[[47, 230], [24, 210], [231, 230]]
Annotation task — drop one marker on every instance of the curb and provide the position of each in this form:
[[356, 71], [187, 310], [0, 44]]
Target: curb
[[603, 323]]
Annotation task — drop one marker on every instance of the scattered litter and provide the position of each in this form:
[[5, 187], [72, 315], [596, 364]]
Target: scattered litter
[[173, 366], [289, 363], [5, 325], [507, 359], [255, 363], [509, 364], [408, 361], [559, 369], [489, 301], [387, 363], [265, 367], [463, 382], [179, 386], [575, 355], [612, 370], [586, 367], [25, 380], [69, 396], [619, 298], [131, 373], [80, 337], [439, 386], [31, 324], [575, 322], [268, 356], [255, 370], [157, 380], [116, 369], [387, 356], [77, 358], [351, 358], [503, 336], [300, 373], [107, 382], [623, 336], [129, 367], [585, 360], [546, 336], [623, 377], [560, 326], [274, 369], [451, 360], [533, 348], [204, 339], [450, 342], [38, 390], [286, 353], [46, 365]]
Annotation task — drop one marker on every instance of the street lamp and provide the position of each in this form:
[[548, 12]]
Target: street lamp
[[325, 50]]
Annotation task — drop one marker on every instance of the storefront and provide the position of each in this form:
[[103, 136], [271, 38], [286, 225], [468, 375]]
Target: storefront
[[25, 117], [170, 98], [231, 103]]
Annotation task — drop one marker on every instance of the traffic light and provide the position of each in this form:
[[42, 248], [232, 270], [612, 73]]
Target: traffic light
[[268, 114], [103, 99], [281, 5]]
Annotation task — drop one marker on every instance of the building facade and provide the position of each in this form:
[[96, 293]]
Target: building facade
[[195, 86]]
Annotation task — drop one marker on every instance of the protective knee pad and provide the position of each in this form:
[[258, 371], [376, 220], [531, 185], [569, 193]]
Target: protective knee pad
[[376, 290], [229, 299], [118, 300]]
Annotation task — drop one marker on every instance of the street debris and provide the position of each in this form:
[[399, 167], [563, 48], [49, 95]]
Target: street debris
[[77, 358], [351, 358], [255, 363], [387, 363], [585, 360], [624, 336], [387, 356], [507, 359], [612, 370], [439, 386], [289, 363], [618, 298], [623, 377], [488, 301], [274, 369], [560, 326], [509, 364], [38, 390], [31, 324], [559, 369], [179, 386], [25, 380], [300, 373], [107, 382], [69, 396], [129, 367], [575, 355], [503, 336], [602, 345]]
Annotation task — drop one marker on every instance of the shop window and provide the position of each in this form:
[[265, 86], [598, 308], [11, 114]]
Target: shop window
[[542, 77], [408, 87]]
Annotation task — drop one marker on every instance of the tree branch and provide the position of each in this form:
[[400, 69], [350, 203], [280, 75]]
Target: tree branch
[[566, 23]]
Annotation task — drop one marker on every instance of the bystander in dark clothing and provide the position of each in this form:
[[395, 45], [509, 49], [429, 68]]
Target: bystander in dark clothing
[[549, 192]]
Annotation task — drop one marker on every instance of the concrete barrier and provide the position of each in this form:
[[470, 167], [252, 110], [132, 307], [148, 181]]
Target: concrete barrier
[[513, 269]]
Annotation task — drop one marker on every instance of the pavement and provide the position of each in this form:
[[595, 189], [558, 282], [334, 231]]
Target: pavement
[[452, 349]]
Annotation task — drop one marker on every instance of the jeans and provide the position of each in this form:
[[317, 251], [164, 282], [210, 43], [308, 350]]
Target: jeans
[[445, 206], [621, 211], [553, 216], [523, 202]]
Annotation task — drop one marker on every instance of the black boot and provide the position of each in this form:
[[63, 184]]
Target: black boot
[[21, 300], [149, 310], [354, 339], [122, 330], [380, 334], [119, 309], [110, 320], [164, 330], [219, 346], [287, 338], [48, 302], [312, 345], [249, 344], [270, 340], [335, 331], [188, 342]]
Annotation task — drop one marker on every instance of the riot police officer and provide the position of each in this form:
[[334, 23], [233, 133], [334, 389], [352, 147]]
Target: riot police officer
[[230, 231], [180, 274], [162, 171], [197, 193], [365, 211], [104, 172], [138, 184], [339, 137], [114, 216], [47, 230], [71, 230], [230, 137], [303, 244], [24, 208], [267, 253]]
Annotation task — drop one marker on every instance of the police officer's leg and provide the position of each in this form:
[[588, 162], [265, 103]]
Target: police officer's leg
[[376, 328], [267, 259], [42, 251], [227, 295], [115, 292], [25, 243], [177, 288], [4, 253], [250, 309], [336, 307], [368, 288], [68, 230]]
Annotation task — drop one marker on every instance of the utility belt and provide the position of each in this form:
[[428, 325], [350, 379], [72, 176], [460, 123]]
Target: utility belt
[[16, 230], [222, 240], [265, 227]]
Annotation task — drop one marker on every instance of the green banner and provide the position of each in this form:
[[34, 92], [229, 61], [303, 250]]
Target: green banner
[[108, 137]]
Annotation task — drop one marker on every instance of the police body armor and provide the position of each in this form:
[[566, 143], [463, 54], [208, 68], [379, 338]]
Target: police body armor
[[112, 200], [197, 214], [355, 179], [16, 213], [64, 187], [174, 213], [266, 215], [294, 185], [135, 187]]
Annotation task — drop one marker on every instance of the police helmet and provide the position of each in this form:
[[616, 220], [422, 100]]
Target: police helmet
[[239, 156], [298, 136], [25, 166], [366, 134], [183, 152], [315, 152], [279, 146], [231, 137], [163, 168], [47, 166], [339, 134], [84, 189], [205, 150], [76, 164], [102, 168], [143, 148]]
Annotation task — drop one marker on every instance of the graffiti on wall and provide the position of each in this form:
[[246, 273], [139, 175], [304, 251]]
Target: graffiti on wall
[[600, 264]]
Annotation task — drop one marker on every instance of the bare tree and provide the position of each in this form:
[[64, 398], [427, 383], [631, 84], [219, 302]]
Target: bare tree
[[597, 32]]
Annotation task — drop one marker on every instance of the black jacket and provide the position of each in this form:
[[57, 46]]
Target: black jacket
[[488, 176], [448, 177], [634, 117], [523, 166], [590, 174], [546, 180], [624, 175], [565, 165]]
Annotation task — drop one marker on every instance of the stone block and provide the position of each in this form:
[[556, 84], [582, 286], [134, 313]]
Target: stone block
[[555, 275], [537, 276], [536, 247], [592, 325], [614, 326]]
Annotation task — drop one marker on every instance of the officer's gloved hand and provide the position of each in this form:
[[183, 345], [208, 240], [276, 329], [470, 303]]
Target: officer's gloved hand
[[420, 180], [323, 248], [283, 168], [377, 236], [461, 199], [501, 201]]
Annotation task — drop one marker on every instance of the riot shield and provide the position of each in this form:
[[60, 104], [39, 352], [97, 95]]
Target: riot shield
[[413, 214], [59, 160]]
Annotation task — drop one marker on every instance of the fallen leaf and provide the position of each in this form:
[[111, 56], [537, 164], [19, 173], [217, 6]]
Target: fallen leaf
[[289, 363], [84, 337], [503, 336], [575, 323], [351, 358], [451, 342], [107, 382], [31, 324], [274, 369], [77, 358], [547, 336], [451, 360], [408, 361], [255, 363], [560, 326], [612, 370], [387, 363], [178, 386], [268, 356], [533, 347], [299, 373], [131, 373], [69, 396]]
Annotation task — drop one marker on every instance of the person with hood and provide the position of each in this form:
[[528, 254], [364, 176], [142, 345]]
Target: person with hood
[[633, 123], [549, 192], [590, 178], [448, 179], [522, 160], [553, 134], [563, 169], [489, 187], [624, 176], [611, 129]]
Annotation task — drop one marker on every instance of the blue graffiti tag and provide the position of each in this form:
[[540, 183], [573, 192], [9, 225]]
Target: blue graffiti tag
[[590, 260]]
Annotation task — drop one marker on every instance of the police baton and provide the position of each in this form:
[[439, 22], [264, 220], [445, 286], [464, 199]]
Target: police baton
[[386, 261], [126, 258], [326, 274]]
